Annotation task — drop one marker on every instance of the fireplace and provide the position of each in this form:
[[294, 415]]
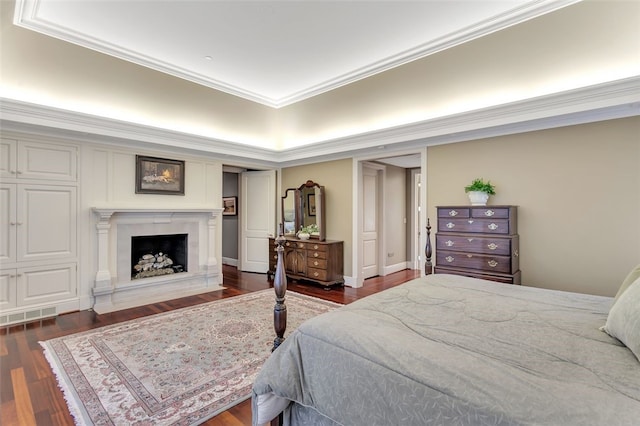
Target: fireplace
[[156, 255], [126, 236]]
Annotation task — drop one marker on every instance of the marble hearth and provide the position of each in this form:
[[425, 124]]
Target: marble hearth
[[114, 288]]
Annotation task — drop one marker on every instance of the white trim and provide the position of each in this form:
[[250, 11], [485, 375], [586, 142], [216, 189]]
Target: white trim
[[390, 269], [611, 100]]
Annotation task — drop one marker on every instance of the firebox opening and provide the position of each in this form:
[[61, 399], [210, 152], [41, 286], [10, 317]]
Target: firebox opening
[[154, 255]]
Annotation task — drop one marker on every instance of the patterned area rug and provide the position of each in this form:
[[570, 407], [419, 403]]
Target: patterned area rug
[[176, 368]]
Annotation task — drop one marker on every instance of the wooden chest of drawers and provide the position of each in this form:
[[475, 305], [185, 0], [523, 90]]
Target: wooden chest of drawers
[[479, 242], [320, 262]]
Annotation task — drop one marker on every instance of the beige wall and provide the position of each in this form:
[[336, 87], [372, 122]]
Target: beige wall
[[578, 192], [336, 177]]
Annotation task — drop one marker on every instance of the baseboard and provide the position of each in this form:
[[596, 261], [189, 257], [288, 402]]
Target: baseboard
[[394, 268], [230, 261]]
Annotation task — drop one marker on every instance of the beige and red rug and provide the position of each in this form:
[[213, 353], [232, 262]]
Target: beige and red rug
[[175, 368]]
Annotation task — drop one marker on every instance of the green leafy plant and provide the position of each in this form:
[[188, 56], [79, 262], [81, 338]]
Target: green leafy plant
[[480, 185], [309, 229]]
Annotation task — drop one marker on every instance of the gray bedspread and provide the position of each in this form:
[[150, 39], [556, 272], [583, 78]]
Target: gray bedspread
[[451, 350]]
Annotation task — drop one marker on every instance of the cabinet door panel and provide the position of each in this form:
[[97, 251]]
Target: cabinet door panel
[[7, 289], [48, 222], [46, 161], [7, 223], [46, 284], [7, 158]]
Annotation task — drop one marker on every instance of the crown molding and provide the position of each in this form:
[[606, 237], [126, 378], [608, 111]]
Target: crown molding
[[26, 16], [606, 101], [21, 116], [617, 99]]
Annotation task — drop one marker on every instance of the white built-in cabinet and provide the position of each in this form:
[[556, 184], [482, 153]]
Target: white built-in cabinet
[[38, 229]]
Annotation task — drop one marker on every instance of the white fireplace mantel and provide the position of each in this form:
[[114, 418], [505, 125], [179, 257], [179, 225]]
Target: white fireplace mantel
[[114, 289]]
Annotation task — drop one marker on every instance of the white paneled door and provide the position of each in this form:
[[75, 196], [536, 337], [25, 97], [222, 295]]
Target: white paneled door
[[258, 221], [370, 221]]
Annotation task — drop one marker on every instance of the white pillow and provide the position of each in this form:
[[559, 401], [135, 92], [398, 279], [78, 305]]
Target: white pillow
[[633, 275], [623, 321]]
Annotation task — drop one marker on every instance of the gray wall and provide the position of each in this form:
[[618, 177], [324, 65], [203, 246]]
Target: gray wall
[[230, 230]]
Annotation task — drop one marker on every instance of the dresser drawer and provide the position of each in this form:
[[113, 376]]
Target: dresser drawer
[[317, 274], [316, 246], [469, 243], [295, 244], [486, 226], [483, 262], [490, 212], [317, 263], [454, 212], [316, 254]]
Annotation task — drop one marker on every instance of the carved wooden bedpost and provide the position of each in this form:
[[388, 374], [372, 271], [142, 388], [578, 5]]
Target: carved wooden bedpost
[[280, 287], [428, 266]]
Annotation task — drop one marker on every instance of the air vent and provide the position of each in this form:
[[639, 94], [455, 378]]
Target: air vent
[[27, 316]]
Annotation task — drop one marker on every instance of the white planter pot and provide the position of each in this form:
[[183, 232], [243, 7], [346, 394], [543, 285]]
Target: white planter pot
[[478, 198], [303, 235]]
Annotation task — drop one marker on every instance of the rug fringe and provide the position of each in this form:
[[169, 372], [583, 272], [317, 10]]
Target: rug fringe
[[80, 417]]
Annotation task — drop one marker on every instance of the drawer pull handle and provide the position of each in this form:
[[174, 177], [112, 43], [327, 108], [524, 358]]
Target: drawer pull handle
[[470, 221], [288, 244], [275, 256], [450, 225], [515, 253], [469, 256], [315, 254], [315, 247], [315, 274], [453, 213], [449, 259], [470, 239], [300, 245], [315, 263], [489, 213], [492, 226], [492, 246], [492, 263], [449, 243]]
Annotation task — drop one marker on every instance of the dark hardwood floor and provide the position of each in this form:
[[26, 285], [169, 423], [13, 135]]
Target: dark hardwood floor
[[29, 393]]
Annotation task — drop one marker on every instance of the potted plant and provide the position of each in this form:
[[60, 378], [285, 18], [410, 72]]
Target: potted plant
[[306, 231], [479, 191]]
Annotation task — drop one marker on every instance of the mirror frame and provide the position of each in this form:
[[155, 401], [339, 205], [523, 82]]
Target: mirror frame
[[299, 208]]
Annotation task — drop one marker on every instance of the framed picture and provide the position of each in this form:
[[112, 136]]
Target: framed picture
[[159, 176], [311, 204], [229, 204]]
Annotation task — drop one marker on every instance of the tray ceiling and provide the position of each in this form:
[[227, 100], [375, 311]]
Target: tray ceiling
[[273, 52]]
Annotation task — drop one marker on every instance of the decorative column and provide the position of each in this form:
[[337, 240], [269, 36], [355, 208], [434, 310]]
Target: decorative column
[[428, 266], [280, 287], [103, 285], [212, 268]]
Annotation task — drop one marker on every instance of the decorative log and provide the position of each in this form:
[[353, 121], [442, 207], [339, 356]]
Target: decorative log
[[280, 287], [428, 266]]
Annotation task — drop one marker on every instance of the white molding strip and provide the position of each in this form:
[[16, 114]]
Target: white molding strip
[[611, 100]]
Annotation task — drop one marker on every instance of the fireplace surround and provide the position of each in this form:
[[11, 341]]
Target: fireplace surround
[[115, 287]]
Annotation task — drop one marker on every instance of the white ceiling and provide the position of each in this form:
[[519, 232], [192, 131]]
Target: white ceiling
[[273, 52]]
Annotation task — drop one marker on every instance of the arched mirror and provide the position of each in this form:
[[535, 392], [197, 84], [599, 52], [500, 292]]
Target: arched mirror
[[303, 207]]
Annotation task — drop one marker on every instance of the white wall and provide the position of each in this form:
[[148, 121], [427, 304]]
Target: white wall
[[107, 179]]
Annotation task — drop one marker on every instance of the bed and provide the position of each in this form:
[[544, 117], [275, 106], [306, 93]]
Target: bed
[[452, 350]]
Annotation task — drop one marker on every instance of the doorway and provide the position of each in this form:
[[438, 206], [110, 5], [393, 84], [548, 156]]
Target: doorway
[[387, 215], [245, 234]]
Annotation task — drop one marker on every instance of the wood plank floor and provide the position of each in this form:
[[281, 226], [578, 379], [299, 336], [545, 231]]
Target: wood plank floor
[[29, 393]]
